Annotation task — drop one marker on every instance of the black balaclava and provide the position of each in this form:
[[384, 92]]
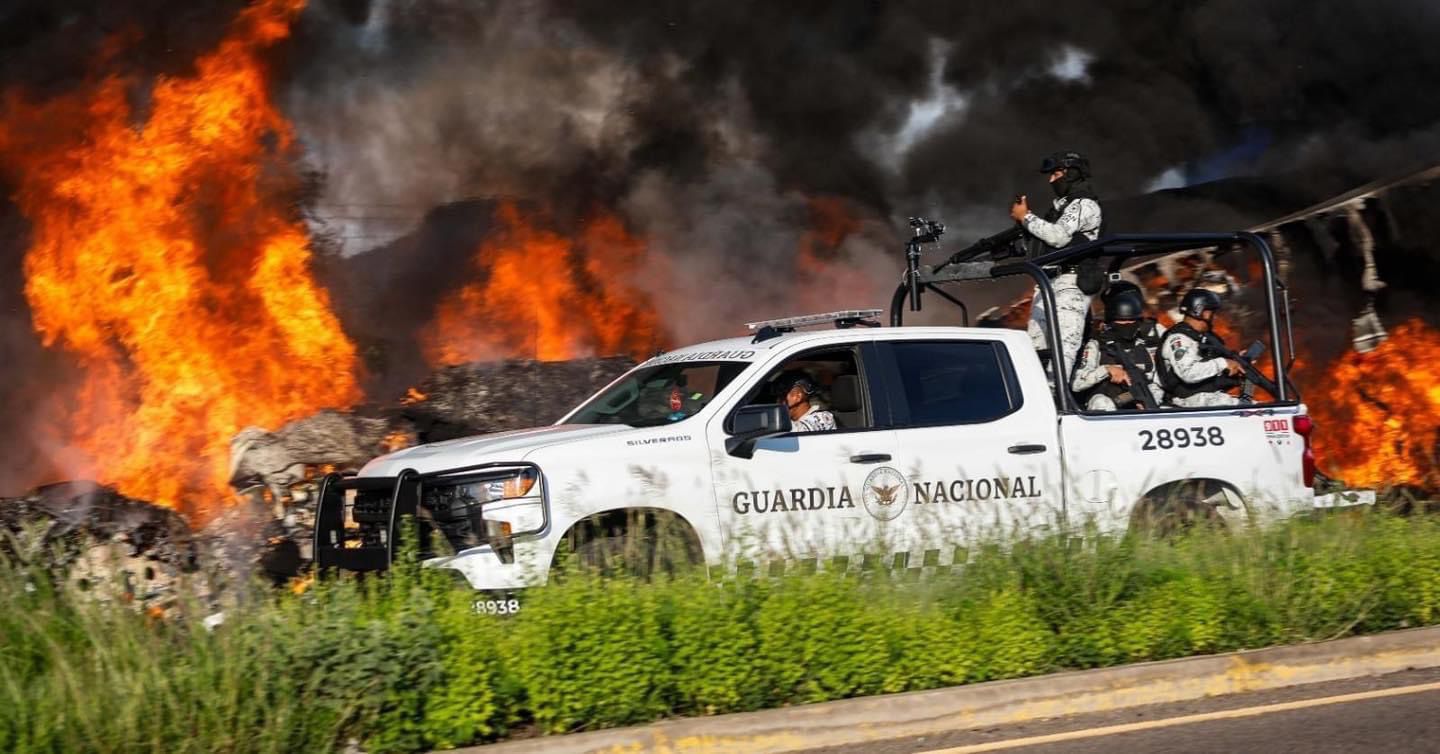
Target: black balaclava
[[1127, 333], [1073, 184]]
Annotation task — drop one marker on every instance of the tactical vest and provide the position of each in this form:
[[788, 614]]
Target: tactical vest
[[1171, 383], [1150, 336], [1034, 247], [1110, 350]]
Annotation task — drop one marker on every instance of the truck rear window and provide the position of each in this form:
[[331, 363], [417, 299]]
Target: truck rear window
[[953, 383]]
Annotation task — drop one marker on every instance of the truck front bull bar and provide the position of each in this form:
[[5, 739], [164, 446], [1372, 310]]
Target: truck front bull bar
[[358, 519]]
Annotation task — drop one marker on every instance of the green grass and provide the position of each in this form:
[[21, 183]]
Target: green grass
[[401, 664]]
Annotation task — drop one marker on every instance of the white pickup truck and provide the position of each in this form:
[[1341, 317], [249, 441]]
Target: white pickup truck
[[945, 436]]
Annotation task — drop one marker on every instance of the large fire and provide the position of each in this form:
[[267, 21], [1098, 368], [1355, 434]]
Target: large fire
[[1378, 414], [540, 295], [166, 257]]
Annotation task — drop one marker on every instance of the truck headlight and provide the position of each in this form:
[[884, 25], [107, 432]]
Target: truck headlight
[[488, 509], [517, 485]]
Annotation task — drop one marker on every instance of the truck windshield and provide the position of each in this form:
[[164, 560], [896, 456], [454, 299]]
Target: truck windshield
[[659, 395]]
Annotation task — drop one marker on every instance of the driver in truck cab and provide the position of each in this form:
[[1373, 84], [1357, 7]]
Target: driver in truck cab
[[1193, 371], [798, 393]]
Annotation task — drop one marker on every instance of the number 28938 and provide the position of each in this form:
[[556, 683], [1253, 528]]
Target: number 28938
[[1181, 437]]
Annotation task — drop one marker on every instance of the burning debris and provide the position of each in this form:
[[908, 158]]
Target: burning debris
[[1387, 400], [277, 471], [277, 467], [99, 539], [269, 464], [94, 535], [498, 396]]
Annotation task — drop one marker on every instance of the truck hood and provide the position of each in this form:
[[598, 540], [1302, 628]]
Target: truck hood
[[500, 446]]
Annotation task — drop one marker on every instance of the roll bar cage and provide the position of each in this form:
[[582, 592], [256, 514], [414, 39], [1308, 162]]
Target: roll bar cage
[[919, 279]]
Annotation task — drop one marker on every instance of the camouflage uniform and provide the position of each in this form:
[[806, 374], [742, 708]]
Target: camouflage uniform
[[1090, 372], [1182, 354], [814, 420], [1077, 216]]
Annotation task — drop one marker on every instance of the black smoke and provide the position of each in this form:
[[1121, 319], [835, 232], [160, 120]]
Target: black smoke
[[710, 124], [1341, 85]]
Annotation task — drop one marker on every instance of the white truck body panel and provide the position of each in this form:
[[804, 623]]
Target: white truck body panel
[[825, 494]]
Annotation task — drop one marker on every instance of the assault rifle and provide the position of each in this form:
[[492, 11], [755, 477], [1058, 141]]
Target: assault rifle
[[1211, 346], [1139, 380], [1002, 245]]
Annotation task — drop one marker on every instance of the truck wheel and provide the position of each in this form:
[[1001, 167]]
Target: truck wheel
[[634, 543], [1174, 509]]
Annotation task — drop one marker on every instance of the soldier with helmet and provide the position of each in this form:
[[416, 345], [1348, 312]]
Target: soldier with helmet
[[1192, 371], [1150, 328], [1074, 217], [1116, 369]]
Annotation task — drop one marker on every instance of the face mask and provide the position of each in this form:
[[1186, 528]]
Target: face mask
[[1126, 332]]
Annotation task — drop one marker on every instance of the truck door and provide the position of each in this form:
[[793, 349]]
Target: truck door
[[800, 496], [979, 454]]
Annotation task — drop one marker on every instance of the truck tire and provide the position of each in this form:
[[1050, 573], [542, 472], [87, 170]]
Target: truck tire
[[1174, 509], [638, 543]]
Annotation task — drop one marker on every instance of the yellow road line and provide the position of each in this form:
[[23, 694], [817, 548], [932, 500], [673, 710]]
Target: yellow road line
[[1231, 714]]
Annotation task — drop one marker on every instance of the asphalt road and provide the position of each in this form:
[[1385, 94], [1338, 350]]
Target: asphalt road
[[1385, 715]]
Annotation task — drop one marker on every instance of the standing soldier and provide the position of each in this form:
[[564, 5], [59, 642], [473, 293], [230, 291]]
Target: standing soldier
[[1192, 372], [1074, 217], [1116, 370]]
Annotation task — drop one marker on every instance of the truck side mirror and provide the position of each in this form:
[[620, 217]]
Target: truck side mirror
[[750, 424]]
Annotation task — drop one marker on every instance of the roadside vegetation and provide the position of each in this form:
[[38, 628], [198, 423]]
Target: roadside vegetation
[[402, 663]]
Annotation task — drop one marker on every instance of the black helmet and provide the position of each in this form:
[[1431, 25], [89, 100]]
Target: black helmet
[[1198, 301], [1120, 288], [1068, 161], [1124, 306]]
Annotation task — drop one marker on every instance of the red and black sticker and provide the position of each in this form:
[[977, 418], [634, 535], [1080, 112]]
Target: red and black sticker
[[1278, 432]]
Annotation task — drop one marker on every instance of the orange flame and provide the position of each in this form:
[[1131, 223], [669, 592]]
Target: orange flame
[[397, 440], [541, 295], [166, 258], [1377, 414]]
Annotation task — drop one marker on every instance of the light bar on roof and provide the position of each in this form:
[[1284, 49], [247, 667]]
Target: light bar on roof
[[840, 318]]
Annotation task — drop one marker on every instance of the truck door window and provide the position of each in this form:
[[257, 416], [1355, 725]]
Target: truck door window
[[952, 382], [836, 374]]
